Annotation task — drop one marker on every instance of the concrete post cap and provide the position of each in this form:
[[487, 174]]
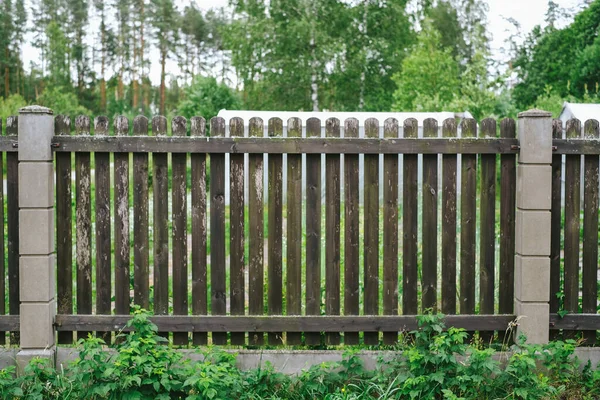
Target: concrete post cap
[[35, 110], [535, 113]]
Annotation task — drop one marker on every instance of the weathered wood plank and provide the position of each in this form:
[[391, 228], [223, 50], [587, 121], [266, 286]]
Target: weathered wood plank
[[572, 222], [179, 229], [572, 322], [487, 228], [275, 242], [121, 237], [468, 223], [160, 193], [590, 230], [256, 234], [103, 225], [12, 219], [199, 230], [8, 144], [556, 226], [11, 323], [390, 230], [237, 280], [289, 145], [508, 185], [449, 174], [409, 225], [64, 229], [217, 230], [576, 147], [313, 231], [325, 323], [332, 230], [351, 231], [294, 232], [83, 215], [371, 226], [141, 255], [430, 211]]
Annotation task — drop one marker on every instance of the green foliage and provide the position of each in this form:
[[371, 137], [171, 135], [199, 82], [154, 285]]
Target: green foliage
[[10, 105], [205, 97], [434, 364], [62, 101], [429, 77]]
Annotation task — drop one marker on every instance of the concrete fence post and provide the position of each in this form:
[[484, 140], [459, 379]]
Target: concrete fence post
[[36, 235], [534, 195]]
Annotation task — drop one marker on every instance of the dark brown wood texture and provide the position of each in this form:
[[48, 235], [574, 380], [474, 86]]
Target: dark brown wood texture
[[313, 231], [217, 230], [332, 229], [179, 229], [199, 230], [83, 216], [390, 230], [64, 231], [555, 223], [141, 245], [237, 292], [12, 220], [294, 232], [449, 197], [371, 226], [121, 237], [256, 234], [589, 301], [351, 231], [430, 212], [409, 226], [2, 259], [468, 223]]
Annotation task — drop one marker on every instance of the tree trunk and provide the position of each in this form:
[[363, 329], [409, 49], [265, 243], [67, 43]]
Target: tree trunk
[[163, 61], [6, 74]]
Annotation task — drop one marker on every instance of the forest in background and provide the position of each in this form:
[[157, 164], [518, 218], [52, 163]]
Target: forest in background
[[337, 55]]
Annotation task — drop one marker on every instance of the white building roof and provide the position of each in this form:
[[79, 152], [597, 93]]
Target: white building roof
[[581, 111], [342, 116]]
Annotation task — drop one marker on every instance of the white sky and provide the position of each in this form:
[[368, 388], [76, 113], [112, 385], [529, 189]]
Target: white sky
[[528, 13]]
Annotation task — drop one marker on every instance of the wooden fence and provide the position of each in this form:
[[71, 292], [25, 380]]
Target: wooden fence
[[141, 219]]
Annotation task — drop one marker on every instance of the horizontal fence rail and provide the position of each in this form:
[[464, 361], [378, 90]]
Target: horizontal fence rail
[[174, 144]]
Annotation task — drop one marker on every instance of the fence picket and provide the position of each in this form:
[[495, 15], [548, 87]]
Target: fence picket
[[294, 232], [371, 226], [64, 231], [487, 227], [572, 224], [468, 223], [430, 211], [555, 225], [141, 267], [332, 230], [83, 213], [103, 224], [2, 259], [390, 230], [508, 179], [590, 230], [160, 192], [409, 225], [217, 230], [256, 239], [179, 229], [199, 233], [121, 238], [313, 231], [449, 175], [236, 223], [351, 231]]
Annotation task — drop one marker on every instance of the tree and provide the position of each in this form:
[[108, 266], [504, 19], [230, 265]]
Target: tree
[[429, 77], [165, 21], [206, 97]]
